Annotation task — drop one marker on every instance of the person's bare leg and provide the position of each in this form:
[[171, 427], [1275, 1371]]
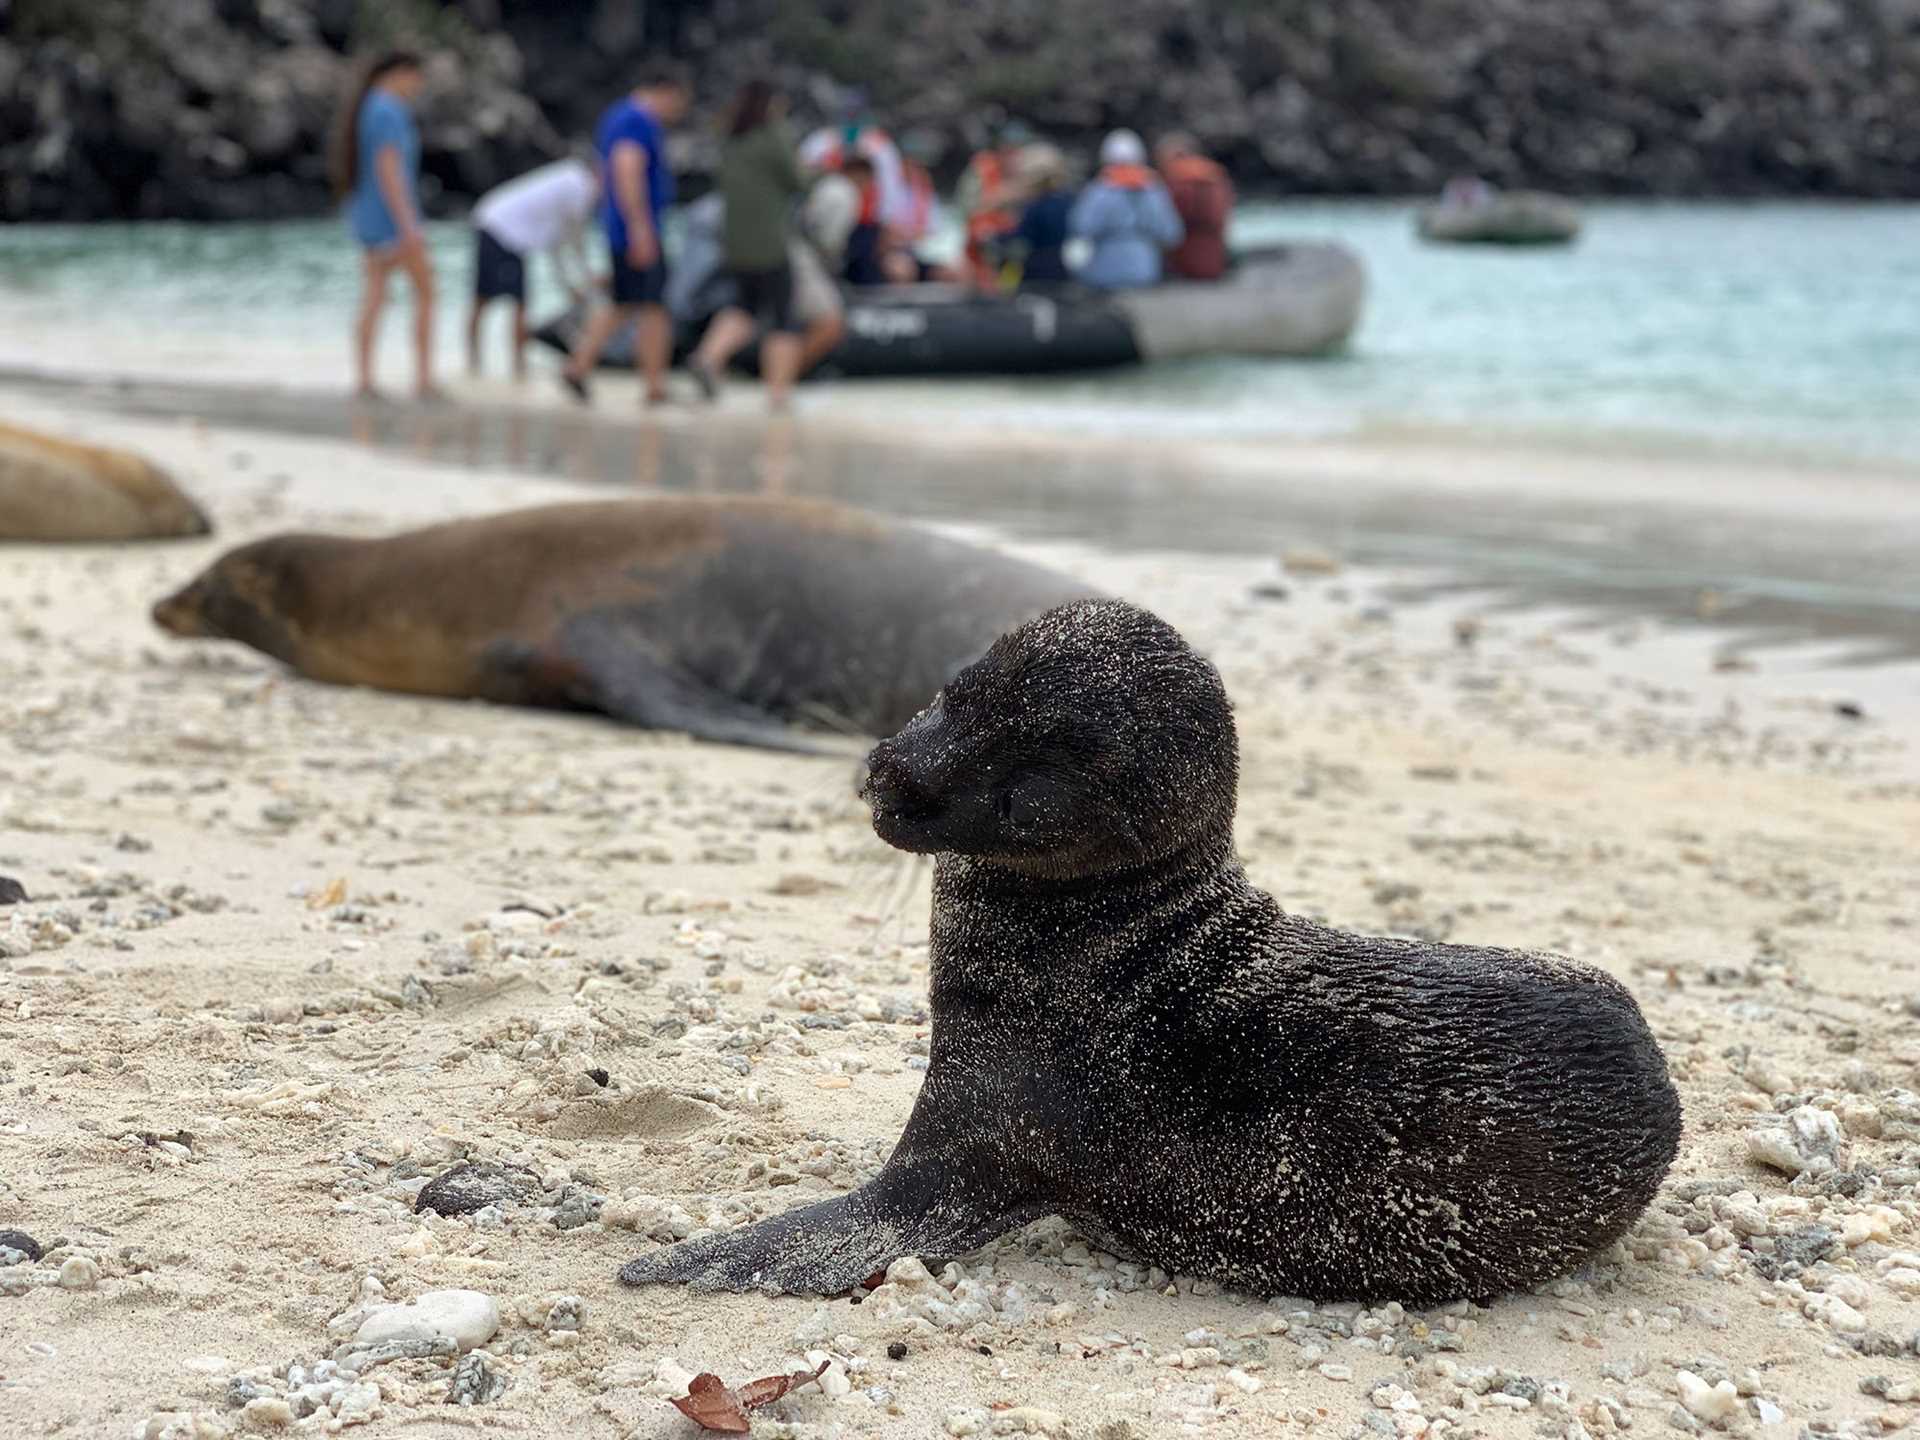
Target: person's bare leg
[[731, 329], [519, 339], [420, 271], [780, 367], [602, 326], [655, 344], [366, 325], [821, 340], [473, 334]]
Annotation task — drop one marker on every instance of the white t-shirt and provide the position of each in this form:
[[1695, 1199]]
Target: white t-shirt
[[821, 151], [831, 211], [541, 208]]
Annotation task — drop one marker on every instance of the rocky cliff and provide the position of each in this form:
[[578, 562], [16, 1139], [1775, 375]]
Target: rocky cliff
[[218, 108]]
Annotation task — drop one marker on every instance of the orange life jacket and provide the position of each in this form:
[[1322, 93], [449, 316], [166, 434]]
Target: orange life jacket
[[993, 216], [1127, 177], [1203, 195]]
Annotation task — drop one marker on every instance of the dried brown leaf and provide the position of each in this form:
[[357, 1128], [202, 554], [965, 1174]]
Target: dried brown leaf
[[711, 1405]]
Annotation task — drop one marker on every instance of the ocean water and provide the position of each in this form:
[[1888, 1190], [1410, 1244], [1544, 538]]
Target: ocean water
[[1765, 326]]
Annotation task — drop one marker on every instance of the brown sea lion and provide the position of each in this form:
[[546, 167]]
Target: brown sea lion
[[1129, 1033], [732, 619], [54, 489]]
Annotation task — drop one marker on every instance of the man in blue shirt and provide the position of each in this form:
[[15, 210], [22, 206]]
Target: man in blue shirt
[[636, 189]]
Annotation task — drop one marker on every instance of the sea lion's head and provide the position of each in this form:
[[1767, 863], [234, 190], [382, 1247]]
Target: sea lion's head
[[252, 594], [1089, 740]]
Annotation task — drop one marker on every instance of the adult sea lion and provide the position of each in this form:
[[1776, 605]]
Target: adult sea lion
[[728, 618], [1128, 1033], [54, 489]]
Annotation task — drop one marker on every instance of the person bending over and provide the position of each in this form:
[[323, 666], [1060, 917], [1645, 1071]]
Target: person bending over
[[543, 212]]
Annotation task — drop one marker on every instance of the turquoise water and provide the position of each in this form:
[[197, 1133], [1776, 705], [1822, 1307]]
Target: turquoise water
[[1769, 325]]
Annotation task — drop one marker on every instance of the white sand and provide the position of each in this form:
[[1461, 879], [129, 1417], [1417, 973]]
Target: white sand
[[273, 915]]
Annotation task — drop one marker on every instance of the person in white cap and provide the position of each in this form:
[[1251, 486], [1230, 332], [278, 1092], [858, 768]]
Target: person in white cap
[[1125, 216]]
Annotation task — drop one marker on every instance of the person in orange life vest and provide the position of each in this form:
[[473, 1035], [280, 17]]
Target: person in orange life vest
[[901, 241], [989, 196], [1127, 217], [1203, 197], [865, 253], [830, 147]]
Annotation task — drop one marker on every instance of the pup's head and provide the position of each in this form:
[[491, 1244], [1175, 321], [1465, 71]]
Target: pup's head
[[1092, 739]]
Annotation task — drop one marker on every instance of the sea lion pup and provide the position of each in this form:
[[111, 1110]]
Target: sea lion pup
[[54, 489], [728, 618], [1127, 1033]]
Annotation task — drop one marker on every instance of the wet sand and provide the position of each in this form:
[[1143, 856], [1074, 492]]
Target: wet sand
[[292, 950]]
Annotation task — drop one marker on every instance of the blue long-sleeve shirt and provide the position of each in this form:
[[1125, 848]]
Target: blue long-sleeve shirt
[[1129, 225]]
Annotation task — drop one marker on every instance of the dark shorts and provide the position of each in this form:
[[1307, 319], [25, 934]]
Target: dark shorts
[[767, 295], [639, 287], [498, 271]]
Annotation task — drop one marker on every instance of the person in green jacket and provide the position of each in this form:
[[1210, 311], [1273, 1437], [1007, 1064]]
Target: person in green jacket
[[760, 179]]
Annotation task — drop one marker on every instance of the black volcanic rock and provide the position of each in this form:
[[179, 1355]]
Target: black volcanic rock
[[218, 108]]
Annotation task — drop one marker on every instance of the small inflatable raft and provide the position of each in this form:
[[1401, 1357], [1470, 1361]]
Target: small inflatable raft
[[1518, 217], [1288, 300]]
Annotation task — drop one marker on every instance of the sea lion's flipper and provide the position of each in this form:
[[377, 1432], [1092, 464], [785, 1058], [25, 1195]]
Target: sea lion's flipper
[[825, 1249], [596, 663]]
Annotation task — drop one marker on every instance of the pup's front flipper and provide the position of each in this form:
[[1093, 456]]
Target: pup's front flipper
[[823, 1249]]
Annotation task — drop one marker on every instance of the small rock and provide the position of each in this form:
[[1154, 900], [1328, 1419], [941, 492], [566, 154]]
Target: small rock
[[967, 1422], [475, 1382], [21, 1244], [12, 892], [267, 1412], [1708, 1403], [1803, 1141], [1900, 1392], [466, 1317], [473, 1186], [569, 1312], [1765, 1411], [1850, 1288], [240, 1391], [1836, 1313], [1029, 1420], [576, 1208], [897, 1350], [79, 1272]]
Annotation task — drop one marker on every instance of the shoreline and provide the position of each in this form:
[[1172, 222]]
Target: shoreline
[[1755, 581]]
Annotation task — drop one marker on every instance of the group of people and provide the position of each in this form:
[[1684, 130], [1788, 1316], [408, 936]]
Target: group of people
[[845, 204], [1133, 224]]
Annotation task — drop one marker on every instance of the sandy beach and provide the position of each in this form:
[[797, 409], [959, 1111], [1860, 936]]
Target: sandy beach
[[292, 951]]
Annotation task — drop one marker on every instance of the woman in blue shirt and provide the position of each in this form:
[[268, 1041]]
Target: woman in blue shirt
[[375, 164]]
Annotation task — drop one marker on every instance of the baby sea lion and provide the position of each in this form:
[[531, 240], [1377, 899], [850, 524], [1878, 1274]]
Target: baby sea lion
[[730, 619], [54, 489], [1127, 1033]]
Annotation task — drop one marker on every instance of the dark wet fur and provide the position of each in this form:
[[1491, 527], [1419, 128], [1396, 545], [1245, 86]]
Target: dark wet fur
[[1128, 1033], [733, 619]]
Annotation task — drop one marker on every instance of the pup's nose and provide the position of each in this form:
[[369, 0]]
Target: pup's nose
[[889, 782]]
